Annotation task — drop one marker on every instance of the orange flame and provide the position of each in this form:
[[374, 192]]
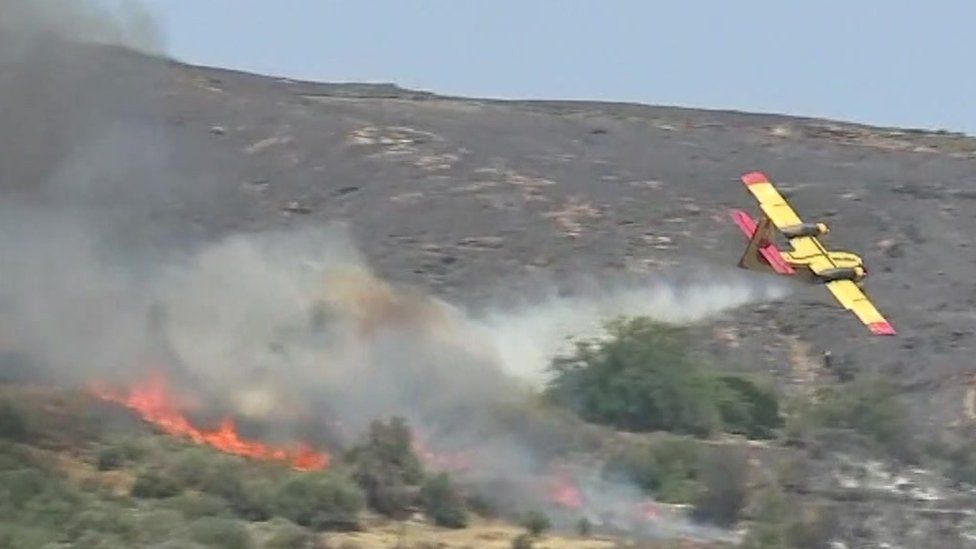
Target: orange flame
[[457, 461], [563, 491], [152, 401]]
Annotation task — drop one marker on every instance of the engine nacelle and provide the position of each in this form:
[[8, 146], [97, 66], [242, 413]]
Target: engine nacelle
[[853, 274], [806, 229]]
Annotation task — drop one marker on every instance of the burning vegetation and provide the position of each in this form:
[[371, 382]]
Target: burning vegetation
[[155, 404]]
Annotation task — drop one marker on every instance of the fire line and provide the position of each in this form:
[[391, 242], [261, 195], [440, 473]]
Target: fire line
[[154, 404]]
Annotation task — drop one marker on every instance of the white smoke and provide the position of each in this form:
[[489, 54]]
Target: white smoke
[[528, 338]]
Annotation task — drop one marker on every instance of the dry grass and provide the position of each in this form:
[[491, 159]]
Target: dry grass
[[479, 535]]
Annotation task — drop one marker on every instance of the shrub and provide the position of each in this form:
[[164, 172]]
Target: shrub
[[116, 451], [110, 458], [442, 502], [783, 522], [23, 535], [252, 499], [288, 535], [14, 456], [248, 496], [220, 532], [535, 523], [667, 469], [385, 465], [159, 525], [321, 501], [869, 406], [155, 484], [747, 408], [643, 379], [38, 498], [12, 425], [724, 477], [584, 527], [648, 377], [201, 468], [194, 505], [105, 520], [523, 541]]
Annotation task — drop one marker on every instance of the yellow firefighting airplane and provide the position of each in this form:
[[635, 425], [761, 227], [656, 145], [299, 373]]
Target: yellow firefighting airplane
[[842, 272]]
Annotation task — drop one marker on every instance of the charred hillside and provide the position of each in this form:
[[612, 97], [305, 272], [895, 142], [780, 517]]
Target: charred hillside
[[457, 194], [140, 193]]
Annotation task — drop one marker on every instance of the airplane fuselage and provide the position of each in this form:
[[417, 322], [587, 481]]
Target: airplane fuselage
[[846, 266]]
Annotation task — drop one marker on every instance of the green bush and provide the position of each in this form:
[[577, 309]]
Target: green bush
[[159, 525], [523, 541], [584, 528], [220, 532], [385, 465], [13, 534], [38, 498], [442, 502], [668, 468], [12, 424], [535, 523], [648, 377], [110, 458], [643, 379], [782, 522], [194, 505], [155, 484], [724, 479], [288, 535], [250, 499], [248, 495], [869, 406], [14, 456], [106, 520], [748, 408], [321, 501]]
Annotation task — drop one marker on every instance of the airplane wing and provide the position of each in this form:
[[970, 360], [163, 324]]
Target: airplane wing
[[776, 208], [782, 215], [854, 300]]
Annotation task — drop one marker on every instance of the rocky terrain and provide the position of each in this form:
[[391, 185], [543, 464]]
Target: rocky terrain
[[480, 201]]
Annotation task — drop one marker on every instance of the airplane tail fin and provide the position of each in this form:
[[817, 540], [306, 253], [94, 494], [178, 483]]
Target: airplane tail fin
[[767, 250]]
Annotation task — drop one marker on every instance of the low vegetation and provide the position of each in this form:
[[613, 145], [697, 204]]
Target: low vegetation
[[148, 490], [140, 489], [647, 376], [868, 405], [781, 521], [443, 503], [12, 426], [667, 469], [724, 486], [386, 467]]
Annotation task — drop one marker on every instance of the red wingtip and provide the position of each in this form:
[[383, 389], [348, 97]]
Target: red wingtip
[[752, 178], [881, 328]]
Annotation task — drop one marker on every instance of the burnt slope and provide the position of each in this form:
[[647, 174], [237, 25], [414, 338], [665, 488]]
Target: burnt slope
[[457, 194], [466, 196]]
